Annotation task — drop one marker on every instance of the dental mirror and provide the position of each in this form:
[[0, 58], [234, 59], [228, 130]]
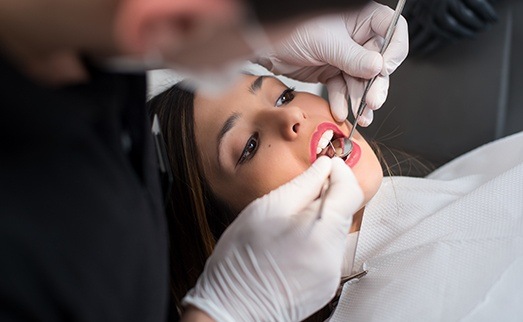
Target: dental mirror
[[347, 148]]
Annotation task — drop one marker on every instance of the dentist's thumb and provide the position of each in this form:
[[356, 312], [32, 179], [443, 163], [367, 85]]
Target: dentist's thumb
[[343, 199]]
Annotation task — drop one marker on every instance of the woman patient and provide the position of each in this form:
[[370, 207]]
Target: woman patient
[[445, 244], [228, 150]]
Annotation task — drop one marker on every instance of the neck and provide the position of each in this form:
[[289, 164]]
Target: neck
[[46, 38]]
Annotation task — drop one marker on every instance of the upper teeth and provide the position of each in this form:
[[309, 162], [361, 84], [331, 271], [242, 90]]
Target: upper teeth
[[326, 137]]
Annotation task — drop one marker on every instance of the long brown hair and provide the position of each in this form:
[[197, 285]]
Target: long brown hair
[[196, 218]]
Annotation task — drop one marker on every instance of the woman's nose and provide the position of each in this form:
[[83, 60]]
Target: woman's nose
[[288, 121]]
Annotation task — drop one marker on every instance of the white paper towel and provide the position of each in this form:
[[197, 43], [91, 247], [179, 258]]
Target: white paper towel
[[448, 247]]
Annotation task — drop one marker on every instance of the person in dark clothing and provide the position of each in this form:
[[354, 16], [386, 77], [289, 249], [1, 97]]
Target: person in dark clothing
[[82, 227]]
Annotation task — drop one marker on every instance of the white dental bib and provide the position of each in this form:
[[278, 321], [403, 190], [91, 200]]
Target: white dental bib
[[447, 247]]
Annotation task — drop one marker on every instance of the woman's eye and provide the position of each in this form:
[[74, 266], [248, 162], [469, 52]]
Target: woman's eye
[[249, 150], [285, 97]]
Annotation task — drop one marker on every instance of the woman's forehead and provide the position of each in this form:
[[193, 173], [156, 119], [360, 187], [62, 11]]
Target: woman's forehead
[[244, 85]]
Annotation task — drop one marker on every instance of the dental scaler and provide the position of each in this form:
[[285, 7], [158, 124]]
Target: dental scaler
[[347, 142]]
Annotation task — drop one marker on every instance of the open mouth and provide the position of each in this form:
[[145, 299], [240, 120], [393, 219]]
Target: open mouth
[[327, 140]]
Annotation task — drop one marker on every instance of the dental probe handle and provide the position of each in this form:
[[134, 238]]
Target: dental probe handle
[[386, 43], [392, 26]]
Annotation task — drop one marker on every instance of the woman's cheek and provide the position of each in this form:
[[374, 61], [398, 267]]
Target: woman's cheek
[[372, 176], [274, 172]]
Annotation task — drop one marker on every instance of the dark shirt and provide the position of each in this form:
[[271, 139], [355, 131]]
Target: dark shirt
[[83, 235]]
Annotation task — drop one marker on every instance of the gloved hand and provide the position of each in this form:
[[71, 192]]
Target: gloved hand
[[342, 51], [277, 261], [432, 23]]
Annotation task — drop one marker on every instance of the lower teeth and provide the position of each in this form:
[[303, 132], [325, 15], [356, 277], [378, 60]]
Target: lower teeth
[[334, 146]]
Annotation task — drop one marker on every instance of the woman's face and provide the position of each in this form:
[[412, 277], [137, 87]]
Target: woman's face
[[261, 134]]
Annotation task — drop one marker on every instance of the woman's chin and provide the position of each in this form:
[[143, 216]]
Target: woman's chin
[[371, 189]]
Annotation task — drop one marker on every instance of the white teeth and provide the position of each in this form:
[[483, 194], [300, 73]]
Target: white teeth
[[323, 142], [326, 137]]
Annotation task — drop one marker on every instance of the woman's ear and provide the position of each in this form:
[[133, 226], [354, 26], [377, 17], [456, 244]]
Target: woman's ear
[[142, 26]]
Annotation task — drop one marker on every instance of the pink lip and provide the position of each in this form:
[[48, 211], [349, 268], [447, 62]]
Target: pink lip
[[320, 129], [354, 156]]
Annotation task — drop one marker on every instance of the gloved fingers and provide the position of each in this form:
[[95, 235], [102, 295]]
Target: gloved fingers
[[399, 44], [354, 59], [419, 35], [295, 195], [355, 87], [448, 22], [483, 9], [375, 98], [337, 87], [380, 19], [377, 93], [366, 117], [398, 48], [337, 90], [342, 200], [466, 15], [426, 36], [426, 40]]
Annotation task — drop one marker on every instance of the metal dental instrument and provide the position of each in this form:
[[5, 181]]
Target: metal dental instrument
[[353, 277], [344, 279], [325, 188], [347, 142]]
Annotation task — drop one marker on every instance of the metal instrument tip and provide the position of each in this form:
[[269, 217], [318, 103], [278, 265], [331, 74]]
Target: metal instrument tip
[[347, 148]]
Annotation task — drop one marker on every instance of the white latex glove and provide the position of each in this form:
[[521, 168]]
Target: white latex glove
[[342, 51], [278, 261]]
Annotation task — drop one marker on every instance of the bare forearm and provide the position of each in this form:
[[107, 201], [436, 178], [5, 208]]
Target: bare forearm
[[193, 314]]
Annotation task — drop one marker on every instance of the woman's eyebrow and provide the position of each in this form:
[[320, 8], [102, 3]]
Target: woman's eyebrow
[[227, 126], [257, 84]]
